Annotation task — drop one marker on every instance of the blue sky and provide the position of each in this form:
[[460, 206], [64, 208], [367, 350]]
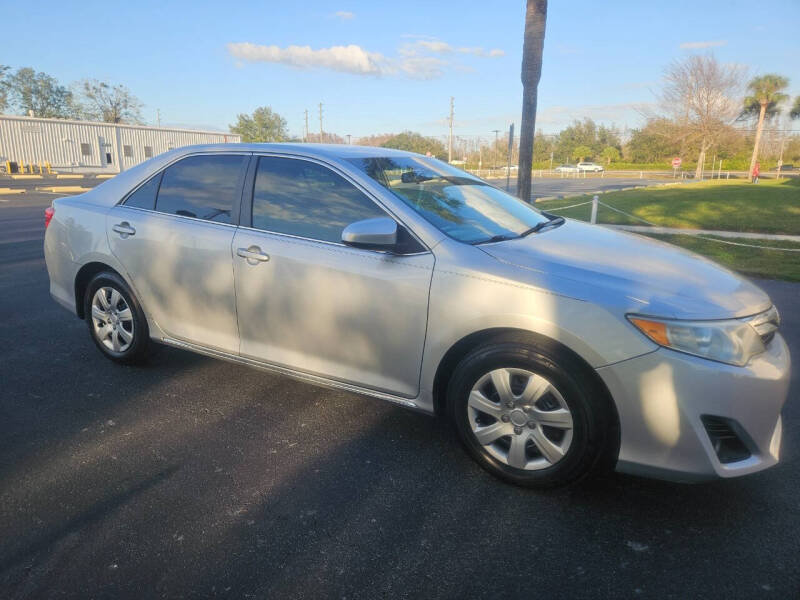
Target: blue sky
[[399, 63]]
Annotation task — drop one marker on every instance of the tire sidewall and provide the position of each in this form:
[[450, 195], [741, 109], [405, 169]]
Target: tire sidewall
[[141, 332], [583, 451]]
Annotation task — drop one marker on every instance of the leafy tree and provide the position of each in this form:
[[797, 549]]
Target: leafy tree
[[765, 96], [415, 142], [264, 125], [533, 43], [795, 112], [581, 152], [659, 139], [606, 136], [610, 153], [585, 133], [377, 139], [542, 147], [3, 88], [102, 101], [29, 91]]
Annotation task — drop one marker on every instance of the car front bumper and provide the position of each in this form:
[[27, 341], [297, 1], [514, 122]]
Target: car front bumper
[[661, 397]]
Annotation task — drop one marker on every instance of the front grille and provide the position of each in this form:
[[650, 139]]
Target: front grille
[[766, 324], [726, 442]]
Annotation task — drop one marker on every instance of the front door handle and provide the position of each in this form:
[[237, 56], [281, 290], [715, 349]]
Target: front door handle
[[124, 229], [253, 254]]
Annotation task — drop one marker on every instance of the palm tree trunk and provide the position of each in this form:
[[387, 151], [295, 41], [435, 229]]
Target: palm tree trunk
[[535, 19], [701, 161], [759, 129]]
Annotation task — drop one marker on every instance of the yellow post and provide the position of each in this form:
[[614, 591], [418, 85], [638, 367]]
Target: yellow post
[[8, 167], [49, 167]]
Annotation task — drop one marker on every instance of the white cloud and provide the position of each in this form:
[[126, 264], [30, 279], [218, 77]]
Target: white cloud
[[437, 46], [702, 45], [347, 59], [344, 15], [423, 67], [422, 59]]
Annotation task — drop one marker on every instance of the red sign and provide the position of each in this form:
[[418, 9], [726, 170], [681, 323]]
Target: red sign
[[676, 162]]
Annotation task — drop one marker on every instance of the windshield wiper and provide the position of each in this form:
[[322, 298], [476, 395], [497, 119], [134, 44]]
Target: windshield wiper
[[555, 221], [495, 238]]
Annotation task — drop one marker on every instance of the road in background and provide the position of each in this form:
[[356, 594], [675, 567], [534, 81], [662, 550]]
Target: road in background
[[192, 477], [558, 187]]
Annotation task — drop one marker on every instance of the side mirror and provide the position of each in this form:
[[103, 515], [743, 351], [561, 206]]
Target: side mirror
[[373, 234]]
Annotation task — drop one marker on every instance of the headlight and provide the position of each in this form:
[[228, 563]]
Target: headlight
[[733, 342]]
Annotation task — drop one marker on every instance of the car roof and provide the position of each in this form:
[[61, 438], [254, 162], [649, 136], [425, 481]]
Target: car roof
[[313, 150]]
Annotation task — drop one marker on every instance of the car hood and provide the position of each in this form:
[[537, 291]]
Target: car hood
[[602, 265]]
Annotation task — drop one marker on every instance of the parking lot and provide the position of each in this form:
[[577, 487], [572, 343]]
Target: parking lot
[[194, 477]]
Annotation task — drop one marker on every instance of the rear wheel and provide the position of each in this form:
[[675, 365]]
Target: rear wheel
[[115, 320], [527, 414]]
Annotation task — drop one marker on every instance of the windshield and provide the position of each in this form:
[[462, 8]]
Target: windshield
[[462, 206]]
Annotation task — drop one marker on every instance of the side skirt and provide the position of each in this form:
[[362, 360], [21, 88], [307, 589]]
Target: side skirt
[[299, 375]]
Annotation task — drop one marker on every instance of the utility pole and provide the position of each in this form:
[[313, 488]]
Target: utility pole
[[320, 123], [450, 139], [496, 132], [305, 137], [158, 116]]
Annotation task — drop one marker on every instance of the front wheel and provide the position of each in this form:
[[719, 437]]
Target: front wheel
[[115, 320], [527, 415]]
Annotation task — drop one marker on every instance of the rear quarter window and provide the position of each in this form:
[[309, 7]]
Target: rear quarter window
[[145, 195], [202, 187]]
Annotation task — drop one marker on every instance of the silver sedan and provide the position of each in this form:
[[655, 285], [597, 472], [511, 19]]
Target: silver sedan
[[557, 348]]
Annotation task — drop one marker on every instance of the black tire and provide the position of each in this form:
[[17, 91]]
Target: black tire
[[594, 423], [138, 348]]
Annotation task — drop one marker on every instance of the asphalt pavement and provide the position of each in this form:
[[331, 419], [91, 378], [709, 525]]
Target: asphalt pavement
[[569, 185], [191, 477]]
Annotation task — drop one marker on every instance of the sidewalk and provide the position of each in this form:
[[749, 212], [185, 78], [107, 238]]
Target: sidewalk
[[723, 234]]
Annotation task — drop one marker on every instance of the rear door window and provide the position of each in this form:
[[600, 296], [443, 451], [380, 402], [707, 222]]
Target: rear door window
[[202, 187]]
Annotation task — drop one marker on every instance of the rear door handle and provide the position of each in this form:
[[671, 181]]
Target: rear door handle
[[253, 254], [124, 229]]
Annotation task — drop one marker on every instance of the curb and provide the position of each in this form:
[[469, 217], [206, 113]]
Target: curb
[[63, 189]]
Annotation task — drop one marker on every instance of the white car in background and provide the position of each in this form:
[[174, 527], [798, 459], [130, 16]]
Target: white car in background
[[590, 166], [567, 169]]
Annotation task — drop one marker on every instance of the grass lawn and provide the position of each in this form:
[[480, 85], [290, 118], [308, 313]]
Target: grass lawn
[[756, 262], [772, 206]]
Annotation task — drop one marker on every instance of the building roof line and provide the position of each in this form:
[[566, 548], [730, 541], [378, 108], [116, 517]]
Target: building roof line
[[125, 125]]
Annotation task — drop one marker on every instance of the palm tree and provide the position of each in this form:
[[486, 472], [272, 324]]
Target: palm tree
[[764, 100], [535, 19], [795, 112]]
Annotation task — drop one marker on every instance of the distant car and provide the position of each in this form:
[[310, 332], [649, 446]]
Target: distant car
[[567, 169], [590, 166], [785, 168]]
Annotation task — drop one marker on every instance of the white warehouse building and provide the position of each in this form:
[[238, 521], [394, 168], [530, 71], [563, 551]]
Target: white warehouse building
[[92, 147]]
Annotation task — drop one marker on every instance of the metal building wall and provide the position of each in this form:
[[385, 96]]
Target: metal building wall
[[58, 142]]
